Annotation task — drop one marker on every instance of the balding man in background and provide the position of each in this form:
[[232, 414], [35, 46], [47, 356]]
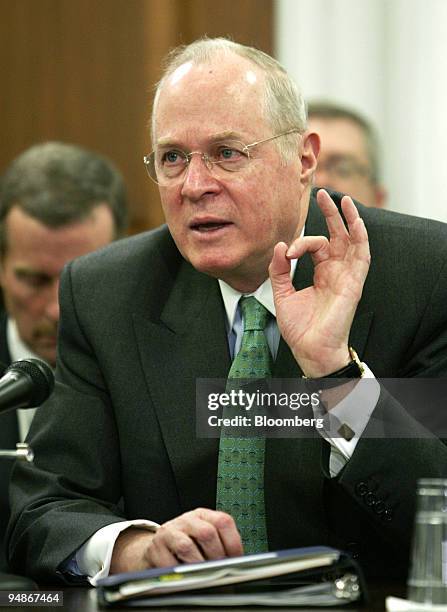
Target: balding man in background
[[57, 201], [349, 155]]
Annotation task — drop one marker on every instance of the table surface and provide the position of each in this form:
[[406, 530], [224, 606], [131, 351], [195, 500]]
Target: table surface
[[81, 599]]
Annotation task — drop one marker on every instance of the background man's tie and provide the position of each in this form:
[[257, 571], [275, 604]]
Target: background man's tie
[[240, 474]]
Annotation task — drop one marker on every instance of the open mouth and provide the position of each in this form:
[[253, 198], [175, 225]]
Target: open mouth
[[209, 226]]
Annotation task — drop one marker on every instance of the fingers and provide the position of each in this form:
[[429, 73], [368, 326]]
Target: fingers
[[358, 237], [229, 534], [279, 272], [279, 269], [334, 221], [317, 246], [332, 215], [341, 236], [195, 536], [353, 219]]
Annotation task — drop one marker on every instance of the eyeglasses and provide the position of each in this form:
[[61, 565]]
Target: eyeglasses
[[166, 166], [343, 167]]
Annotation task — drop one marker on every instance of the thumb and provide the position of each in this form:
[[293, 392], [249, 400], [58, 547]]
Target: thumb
[[279, 272]]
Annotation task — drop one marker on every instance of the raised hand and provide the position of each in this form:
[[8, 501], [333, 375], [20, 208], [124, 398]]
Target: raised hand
[[315, 322]]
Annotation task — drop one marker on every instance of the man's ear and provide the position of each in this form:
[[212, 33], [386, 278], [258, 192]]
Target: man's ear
[[309, 155]]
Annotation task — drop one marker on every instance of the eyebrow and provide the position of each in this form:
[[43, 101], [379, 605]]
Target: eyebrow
[[231, 134]]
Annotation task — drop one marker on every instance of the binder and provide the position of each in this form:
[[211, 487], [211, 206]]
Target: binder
[[311, 576]]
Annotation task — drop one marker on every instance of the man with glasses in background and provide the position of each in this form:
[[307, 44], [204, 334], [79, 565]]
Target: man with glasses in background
[[349, 160], [250, 253]]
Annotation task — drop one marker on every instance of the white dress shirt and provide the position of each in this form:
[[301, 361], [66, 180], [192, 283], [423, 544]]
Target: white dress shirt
[[19, 350]]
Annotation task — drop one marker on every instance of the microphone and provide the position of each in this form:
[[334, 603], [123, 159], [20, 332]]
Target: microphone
[[25, 384]]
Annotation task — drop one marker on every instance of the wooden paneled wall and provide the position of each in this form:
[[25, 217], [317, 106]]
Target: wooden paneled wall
[[82, 71]]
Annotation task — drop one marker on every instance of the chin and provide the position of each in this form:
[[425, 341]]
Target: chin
[[216, 266], [48, 356]]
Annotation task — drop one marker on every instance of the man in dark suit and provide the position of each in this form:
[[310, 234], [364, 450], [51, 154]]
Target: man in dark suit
[[57, 201], [121, 481]]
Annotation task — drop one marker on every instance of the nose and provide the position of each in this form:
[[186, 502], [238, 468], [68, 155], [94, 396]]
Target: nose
[[198, 180], [52, 305]]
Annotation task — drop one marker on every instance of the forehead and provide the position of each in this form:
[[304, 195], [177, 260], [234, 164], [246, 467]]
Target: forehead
[[339, 135], [27, 239], [199, 100]]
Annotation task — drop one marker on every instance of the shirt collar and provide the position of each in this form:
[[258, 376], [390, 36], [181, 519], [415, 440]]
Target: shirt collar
[[17, 348], [264, 295]]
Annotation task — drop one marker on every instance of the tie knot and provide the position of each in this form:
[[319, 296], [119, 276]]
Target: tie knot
[[254, 313]]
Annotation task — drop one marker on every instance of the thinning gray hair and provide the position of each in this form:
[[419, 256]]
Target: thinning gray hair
[[284, 105], [58, 184]]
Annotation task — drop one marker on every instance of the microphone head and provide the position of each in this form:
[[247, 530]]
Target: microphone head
[[41, 376]]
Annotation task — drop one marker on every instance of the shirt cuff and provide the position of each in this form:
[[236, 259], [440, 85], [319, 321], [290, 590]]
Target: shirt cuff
[[351, 413], [94, 557]]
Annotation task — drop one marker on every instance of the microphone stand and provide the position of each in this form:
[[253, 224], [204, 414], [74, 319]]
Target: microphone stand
[[12, 582], [23, 452], [31, 380]]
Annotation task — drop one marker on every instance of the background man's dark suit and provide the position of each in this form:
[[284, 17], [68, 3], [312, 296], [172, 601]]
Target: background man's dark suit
[[139, 325], [9, 436]]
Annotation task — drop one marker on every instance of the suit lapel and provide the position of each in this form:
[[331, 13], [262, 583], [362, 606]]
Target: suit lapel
[[191, 343]]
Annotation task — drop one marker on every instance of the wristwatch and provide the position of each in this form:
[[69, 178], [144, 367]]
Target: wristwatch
[[354, 369]]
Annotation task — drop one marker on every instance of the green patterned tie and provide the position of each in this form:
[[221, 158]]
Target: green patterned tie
[[240, 473]]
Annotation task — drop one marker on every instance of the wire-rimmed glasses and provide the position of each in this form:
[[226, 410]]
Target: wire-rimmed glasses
[[344, 167], [167, 166]]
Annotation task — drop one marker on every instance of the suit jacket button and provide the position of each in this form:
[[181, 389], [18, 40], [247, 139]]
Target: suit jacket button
[[387, 515], [370, 499], [361, 488], [352, 548]]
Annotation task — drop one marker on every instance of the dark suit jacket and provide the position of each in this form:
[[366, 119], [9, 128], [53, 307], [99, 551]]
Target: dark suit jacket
[[9, 436], [117, 439]]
